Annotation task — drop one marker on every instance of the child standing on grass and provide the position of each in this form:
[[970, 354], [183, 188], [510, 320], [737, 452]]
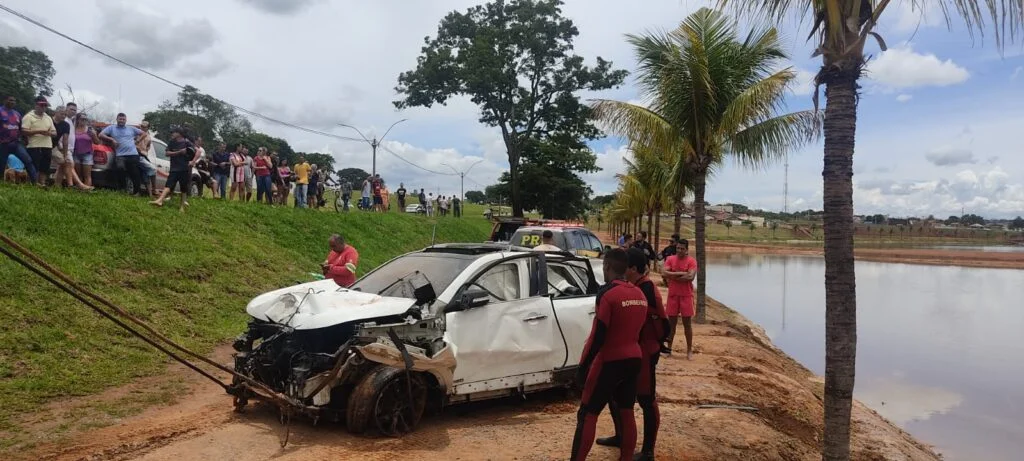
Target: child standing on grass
[[183, 157]]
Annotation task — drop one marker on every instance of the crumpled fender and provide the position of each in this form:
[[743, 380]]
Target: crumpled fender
[[441, 365]]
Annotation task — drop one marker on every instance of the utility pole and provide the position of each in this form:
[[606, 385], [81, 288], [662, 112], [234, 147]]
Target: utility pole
[[374, 143], [462, 178], [785, 188]]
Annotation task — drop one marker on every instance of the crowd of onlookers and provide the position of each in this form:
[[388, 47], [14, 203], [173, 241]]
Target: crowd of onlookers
[[66, 141]]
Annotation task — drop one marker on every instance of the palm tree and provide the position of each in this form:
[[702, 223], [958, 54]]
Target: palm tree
[[840, 31], [775, 225], [711, 96], [814, 230], [600, 219], [728, 226], [752, 227]]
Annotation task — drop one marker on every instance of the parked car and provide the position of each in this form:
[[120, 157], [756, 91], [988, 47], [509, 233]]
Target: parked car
[[446, 325], [415, 208], [574, 239]]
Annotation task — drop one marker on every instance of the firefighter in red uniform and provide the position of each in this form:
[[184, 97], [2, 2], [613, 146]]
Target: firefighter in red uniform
[[652, 339], [611, 358]]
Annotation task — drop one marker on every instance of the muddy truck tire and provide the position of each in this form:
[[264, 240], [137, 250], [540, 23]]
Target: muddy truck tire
[[382, 401]]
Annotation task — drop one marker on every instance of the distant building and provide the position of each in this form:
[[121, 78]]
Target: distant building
[[720, 209]]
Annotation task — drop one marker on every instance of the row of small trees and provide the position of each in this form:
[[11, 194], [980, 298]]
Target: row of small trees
[[710, 95]]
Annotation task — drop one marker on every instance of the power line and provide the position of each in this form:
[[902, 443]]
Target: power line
[[415, 165], [169, 82]]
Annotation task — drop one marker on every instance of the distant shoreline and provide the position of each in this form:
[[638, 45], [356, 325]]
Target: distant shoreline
[[929, 256]]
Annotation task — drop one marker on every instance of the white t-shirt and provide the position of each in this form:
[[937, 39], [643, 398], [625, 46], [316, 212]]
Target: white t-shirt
[[546, 247]]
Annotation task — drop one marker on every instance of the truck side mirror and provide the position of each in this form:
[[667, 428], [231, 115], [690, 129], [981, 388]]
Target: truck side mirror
[[470, 299]]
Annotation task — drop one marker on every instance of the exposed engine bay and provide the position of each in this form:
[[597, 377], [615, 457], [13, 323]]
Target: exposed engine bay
[[292, 346]]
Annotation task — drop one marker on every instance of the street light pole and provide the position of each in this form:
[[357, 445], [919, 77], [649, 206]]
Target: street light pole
[[374, 143], [462, 178]]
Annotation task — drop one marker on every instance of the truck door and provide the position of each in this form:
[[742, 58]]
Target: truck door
[[513, 335]]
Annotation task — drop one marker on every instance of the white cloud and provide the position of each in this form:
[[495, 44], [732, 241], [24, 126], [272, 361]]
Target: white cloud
[[803, 84], [610, 160], [147, 38], [913, 16], [985, 192], [904, 97], [12, 34], [902, 67], [949, 156]]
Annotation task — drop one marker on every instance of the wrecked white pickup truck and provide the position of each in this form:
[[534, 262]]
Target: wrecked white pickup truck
[[449, 324]]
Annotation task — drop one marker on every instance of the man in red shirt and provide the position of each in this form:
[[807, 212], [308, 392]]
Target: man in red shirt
[[652, 338], [679, 271], [341, 262], [611, 358]]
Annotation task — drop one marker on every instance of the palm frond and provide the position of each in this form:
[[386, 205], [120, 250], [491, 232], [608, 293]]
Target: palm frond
[[768, 141]]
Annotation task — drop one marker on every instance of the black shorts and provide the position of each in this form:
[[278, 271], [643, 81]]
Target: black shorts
[[378, 200], [182, 179], [611, 381]]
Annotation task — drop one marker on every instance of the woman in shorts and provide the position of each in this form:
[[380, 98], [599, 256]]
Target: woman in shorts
[[286, 181], [81, 148]]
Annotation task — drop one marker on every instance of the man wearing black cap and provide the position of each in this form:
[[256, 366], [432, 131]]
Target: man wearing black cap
[[38, 127], [183, 156]]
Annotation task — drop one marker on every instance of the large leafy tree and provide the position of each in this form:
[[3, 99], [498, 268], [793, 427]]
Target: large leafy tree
[[515, 60], [712, 95], [355, 176], [322, 161], [201, 114], [840, 33], [25, 74], [549, 181], [475, 196]]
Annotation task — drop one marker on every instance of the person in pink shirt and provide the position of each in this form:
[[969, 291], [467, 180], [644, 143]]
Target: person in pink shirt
[[340, 264], [679, 271]]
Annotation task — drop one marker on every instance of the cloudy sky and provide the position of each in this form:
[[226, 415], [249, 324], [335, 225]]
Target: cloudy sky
[[939, 129]]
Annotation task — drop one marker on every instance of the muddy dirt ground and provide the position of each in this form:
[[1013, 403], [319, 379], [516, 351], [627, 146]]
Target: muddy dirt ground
[[734, 364]]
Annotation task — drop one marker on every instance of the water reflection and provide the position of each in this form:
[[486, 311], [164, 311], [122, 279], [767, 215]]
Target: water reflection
[[902, 401], [939, 345]]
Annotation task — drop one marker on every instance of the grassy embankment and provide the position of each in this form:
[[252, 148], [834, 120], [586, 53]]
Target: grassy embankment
[[189, 275]]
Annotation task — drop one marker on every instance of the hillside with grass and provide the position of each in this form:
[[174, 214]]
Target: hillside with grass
[[187, 274]]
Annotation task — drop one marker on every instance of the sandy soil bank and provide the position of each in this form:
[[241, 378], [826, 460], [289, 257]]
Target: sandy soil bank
[[735, 364]]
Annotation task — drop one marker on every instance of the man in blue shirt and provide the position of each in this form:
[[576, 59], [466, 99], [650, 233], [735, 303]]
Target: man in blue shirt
[[123, 138]]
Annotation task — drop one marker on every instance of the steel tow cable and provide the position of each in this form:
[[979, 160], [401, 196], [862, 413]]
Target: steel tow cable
[[81, 294]]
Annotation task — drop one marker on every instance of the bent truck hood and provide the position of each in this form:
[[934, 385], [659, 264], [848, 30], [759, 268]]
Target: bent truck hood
[[322, 304]]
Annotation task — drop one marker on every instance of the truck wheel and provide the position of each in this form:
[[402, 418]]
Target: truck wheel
[[381, 400]]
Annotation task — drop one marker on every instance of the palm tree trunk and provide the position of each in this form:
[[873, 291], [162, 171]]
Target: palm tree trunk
[[650, 223], [657, 229], [677, 223], [840, 284], [698, 226]]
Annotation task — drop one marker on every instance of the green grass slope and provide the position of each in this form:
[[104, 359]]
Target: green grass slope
[[187, 274]]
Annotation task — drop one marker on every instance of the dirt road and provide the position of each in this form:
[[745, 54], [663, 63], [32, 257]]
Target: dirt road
[[735, 364]]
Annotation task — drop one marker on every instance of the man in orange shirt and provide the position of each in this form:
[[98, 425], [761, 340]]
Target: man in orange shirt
[[341, 262]]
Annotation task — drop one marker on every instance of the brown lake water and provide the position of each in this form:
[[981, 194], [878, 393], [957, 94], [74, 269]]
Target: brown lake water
[[940, 350]]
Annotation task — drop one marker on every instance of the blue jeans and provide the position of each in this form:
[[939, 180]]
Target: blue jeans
[[263, 188], [300, 195], [344, 200], [222, 183], [15, 148]]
